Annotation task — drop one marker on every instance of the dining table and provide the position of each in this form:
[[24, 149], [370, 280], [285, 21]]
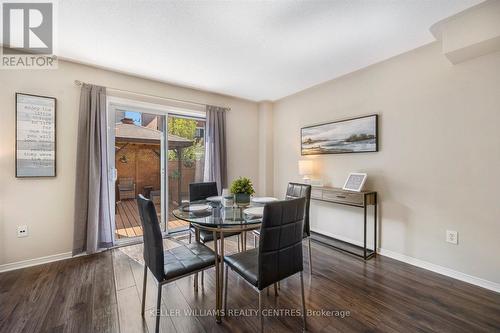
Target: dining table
[[214, 217]]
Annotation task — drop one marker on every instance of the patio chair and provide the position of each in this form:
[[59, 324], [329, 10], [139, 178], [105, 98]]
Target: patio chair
[[126, 188]]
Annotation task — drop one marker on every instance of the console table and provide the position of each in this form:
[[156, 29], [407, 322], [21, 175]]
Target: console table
[[361, 200]]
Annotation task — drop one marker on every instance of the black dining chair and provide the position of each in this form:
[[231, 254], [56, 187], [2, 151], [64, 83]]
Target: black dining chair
[[167, 265], [197, 192], [201, 191], [279, 254], [293, 191]]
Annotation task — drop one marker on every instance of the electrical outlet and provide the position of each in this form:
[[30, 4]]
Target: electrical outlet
[[22, 231], [452, 237]]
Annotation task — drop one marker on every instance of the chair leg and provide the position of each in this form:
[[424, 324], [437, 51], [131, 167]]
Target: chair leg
[[190, 234], [261, 317], [238, 238], [225, 291], [279, 286], [144, 289], [276, 289], [202, 279], [195, 282], [158, 309], [304, 314], [254, 241], [310, 257]]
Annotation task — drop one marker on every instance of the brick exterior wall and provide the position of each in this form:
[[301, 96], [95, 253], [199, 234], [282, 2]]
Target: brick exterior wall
[[140, 162]]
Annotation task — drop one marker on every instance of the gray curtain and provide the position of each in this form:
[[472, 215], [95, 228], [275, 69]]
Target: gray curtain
[[93, 231], [215, 147]]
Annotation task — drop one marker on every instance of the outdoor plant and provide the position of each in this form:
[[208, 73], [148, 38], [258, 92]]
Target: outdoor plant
[[242, 185]]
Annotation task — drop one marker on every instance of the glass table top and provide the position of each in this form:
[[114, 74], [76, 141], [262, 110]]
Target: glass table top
[[216, 215]]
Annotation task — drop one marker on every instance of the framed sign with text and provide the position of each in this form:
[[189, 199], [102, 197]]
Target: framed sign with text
[[35, 136]]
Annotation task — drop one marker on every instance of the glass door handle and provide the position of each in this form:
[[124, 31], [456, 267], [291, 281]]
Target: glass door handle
[[114, 174]]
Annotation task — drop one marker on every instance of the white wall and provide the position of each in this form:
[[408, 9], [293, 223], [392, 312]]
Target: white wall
[[265, 140], [46, 205], [439, 157]]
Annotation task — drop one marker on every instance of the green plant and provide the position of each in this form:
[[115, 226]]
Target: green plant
[[242, 185], [186, 128]]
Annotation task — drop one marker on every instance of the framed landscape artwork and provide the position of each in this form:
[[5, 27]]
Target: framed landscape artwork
[[357, 135], [35, 136]]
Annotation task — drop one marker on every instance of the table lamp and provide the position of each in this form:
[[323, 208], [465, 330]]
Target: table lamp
[[306, 170]]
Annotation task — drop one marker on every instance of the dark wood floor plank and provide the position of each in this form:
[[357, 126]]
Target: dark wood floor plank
[[20, 300], [42, 296], [151, 286], [122, 271], [63, 296], [13, 295], [166, 323], [104, 302], [129, 310], [174, 300], [79, 318]]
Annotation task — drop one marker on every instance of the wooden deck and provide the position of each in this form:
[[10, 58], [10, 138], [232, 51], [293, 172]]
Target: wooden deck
[[128, 223]]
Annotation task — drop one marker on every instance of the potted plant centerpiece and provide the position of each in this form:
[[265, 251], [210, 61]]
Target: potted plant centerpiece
[[242, 188]]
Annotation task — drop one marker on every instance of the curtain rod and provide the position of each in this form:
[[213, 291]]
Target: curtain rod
[[80, 83]]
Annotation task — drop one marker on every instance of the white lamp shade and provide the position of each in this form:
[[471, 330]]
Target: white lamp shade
[[305, 167]]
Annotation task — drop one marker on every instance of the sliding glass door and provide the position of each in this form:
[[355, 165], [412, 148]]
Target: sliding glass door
[[139, 146], [156, 153]]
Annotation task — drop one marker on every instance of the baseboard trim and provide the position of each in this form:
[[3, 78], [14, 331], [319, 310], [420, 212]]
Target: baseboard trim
[[493, 286], [33, 262]]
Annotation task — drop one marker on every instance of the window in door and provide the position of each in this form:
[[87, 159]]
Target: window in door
[[138, 155], [186, 156]]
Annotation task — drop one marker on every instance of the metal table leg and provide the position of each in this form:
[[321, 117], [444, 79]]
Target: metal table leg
[[197, 239], [217, 278], [221, 274]]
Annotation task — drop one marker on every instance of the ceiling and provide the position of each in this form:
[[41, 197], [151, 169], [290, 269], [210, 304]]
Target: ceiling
[[251, 49]]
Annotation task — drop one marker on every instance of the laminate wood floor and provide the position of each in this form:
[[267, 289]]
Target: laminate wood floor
[[101, 293]]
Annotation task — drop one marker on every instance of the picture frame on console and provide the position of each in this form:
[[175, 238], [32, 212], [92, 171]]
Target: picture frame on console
[[355, 182]]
